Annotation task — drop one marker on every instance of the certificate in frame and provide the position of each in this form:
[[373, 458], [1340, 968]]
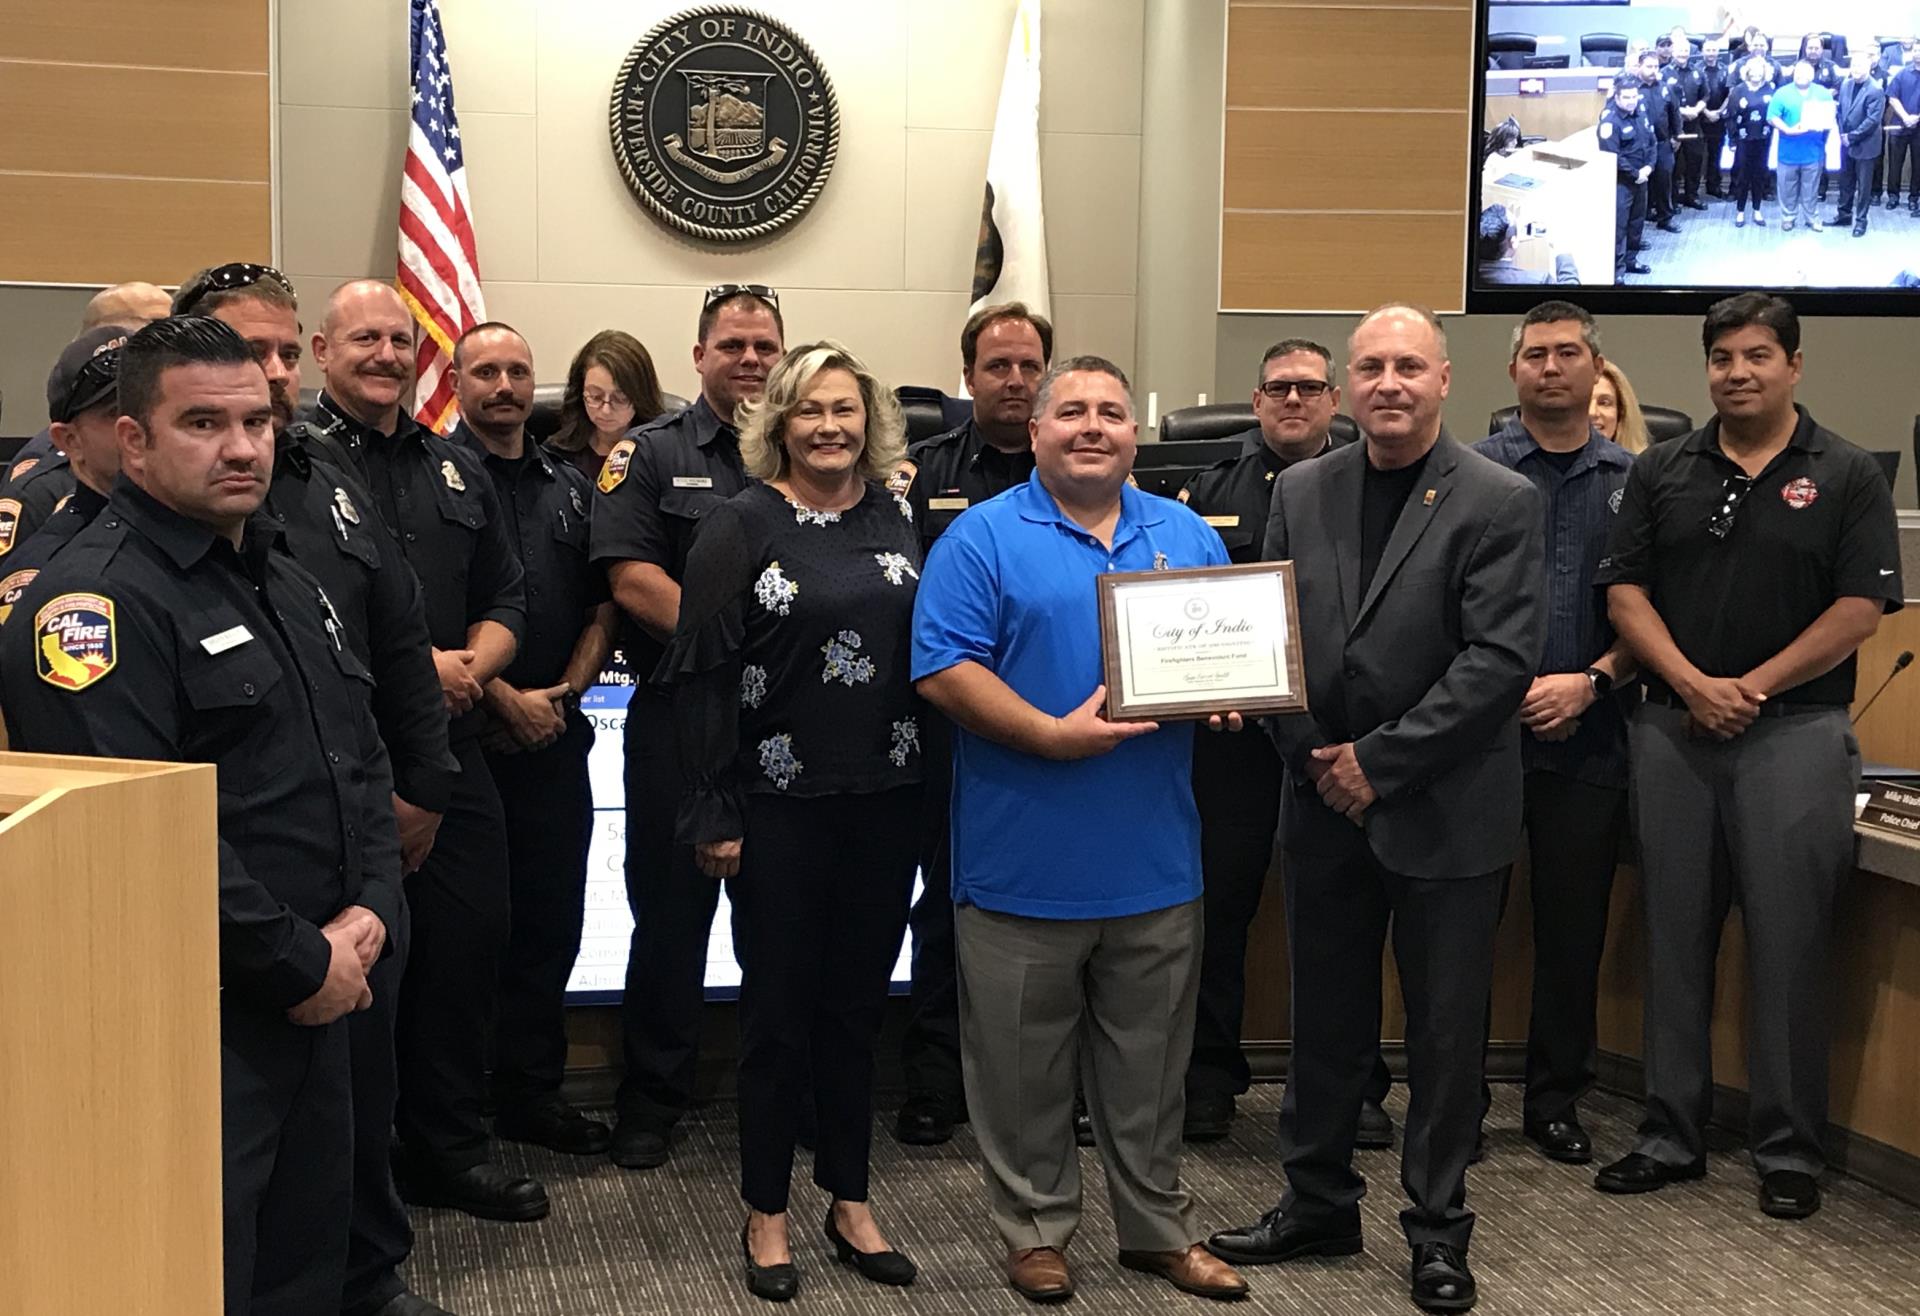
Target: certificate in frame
[[1186, 644]]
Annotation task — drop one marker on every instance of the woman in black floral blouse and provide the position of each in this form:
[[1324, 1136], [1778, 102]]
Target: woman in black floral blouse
[[801, 736]]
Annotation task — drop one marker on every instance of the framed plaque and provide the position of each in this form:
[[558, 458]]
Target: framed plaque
[[1186, 644]]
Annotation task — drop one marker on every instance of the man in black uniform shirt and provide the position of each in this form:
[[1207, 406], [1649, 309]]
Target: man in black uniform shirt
[[1712, 123], [434, 496], [538, 739], [1747, 564], [175, 628], [1004, 350], [1687, 82], [1659, 97], [653, 491], [377, 601], [1626, 133], [1237, 780], [81, 407]]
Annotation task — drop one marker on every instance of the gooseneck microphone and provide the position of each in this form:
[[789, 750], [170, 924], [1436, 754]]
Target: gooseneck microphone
[[1899, 666]]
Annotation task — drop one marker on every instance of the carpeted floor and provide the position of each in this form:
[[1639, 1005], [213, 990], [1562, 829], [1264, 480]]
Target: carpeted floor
[[666, 1242]]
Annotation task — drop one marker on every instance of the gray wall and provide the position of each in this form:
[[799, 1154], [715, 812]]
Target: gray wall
[[35, 323], [1860, 380]]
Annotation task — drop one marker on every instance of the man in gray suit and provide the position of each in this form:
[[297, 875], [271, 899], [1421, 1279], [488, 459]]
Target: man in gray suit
[[1422, 612]]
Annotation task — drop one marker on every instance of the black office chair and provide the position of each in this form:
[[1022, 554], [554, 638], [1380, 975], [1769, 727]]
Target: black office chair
[[1509, 50], [930, 411], [1216, 420], [1889, 465], [1164, 468], [1836, 46], [1603, 50], [1662, 422]]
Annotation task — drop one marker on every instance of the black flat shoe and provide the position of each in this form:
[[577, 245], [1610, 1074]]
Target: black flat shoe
[[1789, 1195], [1275, 1238], [1562, 1140], [1441, 1280], [554, 1125], [779, 1283], [485, 1191], [1209, 1117], [1376, 1128], [1637, 1172], [881, 1267], [923, 1121]]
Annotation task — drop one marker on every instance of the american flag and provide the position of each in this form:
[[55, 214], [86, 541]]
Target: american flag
[[439, 274]]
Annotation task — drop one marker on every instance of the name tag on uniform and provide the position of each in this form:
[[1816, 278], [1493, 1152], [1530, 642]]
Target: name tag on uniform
[[948, 504], [1223, 522], [227, 639], [693, 482]]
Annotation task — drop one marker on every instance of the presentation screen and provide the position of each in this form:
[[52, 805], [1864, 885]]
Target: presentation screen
[[1657, 157]]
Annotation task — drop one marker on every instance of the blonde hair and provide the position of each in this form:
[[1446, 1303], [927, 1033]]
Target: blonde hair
[[1631, 430], [763, 421]]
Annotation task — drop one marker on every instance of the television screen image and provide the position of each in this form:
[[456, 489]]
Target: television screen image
[[1658, 156]]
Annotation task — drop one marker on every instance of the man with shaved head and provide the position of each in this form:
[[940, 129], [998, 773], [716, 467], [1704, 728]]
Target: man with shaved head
[[128, 304], [1423, 613], [436, 498]]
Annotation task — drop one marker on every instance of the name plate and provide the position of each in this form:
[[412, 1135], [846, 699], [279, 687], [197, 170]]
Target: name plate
[[1892, 807], [1184, 645]]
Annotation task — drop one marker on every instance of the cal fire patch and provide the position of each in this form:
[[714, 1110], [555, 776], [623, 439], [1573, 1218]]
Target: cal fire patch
[[1799, 494], [74, 645], [9, 523], [615, 470], [11, 588]]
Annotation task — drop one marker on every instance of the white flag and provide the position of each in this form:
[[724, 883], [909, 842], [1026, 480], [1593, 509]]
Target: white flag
[[1011, 261]]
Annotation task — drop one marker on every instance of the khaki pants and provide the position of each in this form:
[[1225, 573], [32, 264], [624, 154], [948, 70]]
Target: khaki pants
[[1113, 1001]]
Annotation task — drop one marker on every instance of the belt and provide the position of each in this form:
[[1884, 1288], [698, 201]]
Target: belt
[[1772, 708]]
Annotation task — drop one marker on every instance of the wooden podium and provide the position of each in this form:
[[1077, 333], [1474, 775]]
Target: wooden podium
[[109, 1037]]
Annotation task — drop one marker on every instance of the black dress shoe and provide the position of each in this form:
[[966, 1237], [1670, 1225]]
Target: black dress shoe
[[1694, 203], [1667, 226], [1479, 1152], [881, 1267], [1637, 267], [485, 1191], [1789, 1194], [1860, 229], [411, 1304], [638, 1145], [1275, 1238], [1841, 221], [1441, 1280], [1637, 1172], [554, 1125], [923, 1121], [1209, 1116], [774, 1283], [1562, 1140], [1376, 1127]]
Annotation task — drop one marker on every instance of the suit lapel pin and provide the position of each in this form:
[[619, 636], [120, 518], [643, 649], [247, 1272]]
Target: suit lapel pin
[[1428, 500]]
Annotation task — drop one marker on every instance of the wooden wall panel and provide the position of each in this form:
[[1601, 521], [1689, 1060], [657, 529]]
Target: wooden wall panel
[[181, 34], [149, 123], [1341, 261], [63, 229], [1309, 58], [1293, 160], [1891, 732]]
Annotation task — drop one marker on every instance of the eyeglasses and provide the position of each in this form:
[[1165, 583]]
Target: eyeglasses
[[1733, 493], [1308, 389], [97, 379], [226, 278], [596, 400], [721, 291]]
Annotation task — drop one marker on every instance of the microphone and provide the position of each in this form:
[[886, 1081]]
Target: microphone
[[1899, 666]]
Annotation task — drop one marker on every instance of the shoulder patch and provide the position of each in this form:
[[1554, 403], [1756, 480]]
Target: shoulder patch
[[902, 479], [1606, 129], [615, 469], [9, 524], [20, 469], [11, 588], [75, 640]]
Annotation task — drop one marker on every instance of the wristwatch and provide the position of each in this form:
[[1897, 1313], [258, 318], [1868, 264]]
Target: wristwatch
[[1602, 683], [570, 702]]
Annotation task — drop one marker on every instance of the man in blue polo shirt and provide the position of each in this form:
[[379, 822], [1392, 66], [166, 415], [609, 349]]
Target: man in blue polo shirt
[[1076, 845]]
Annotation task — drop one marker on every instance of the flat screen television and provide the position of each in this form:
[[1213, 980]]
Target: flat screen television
[[1550, 109]]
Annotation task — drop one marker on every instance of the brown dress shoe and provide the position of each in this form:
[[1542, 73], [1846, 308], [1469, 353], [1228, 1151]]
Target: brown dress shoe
[[1039, 1274], [1195, 1271]]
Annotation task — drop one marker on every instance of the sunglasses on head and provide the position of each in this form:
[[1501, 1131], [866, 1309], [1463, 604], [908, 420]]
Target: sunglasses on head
[[97, 379], [721, 291], [226, 278]]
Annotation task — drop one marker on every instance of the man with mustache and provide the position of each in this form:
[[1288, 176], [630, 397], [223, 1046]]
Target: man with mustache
[[377, 600], [435, 498], [537, 739], [655, 488], [176, 628]]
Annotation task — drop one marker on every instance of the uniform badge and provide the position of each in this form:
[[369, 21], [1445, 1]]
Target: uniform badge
[[9, 523], [11, 588], [579, 505], [451, 474], [20, 469], [1797, 494], [1160, 561], [615, 470], [902, 479], [351, 514], [75, 645]]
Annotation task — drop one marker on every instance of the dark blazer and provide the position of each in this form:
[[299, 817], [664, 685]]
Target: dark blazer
[[1863, 112], [1426, 673]]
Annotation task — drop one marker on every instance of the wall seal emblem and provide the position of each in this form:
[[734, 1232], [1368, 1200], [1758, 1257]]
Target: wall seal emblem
[[724, 123]]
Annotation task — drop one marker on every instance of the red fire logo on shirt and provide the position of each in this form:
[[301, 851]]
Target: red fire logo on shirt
[[1799, 493]]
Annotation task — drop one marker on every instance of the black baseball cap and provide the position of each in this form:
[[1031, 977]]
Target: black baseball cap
[[87, 373]]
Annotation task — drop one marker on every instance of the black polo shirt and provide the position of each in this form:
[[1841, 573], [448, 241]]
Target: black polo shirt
[[152, 637], [1234, 496], [948, 473], [333, 530], [1816, 526], [545, 499], [656, 488]]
